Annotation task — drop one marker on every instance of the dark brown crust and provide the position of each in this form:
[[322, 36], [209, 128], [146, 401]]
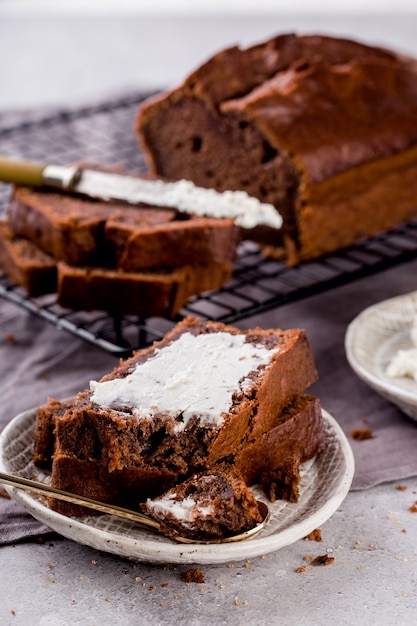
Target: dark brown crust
[[318, 127]]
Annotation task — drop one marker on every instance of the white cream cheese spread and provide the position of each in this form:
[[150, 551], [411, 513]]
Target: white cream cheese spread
[[186, 510], [404, 362], [183, 195], [194, 376]]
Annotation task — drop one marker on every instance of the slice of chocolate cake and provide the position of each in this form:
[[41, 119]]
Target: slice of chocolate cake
[[148, 293], [179, 407], [26, 264], [296, 436]]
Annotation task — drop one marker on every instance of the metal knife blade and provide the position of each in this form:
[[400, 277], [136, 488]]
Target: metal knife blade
[[183, 195]]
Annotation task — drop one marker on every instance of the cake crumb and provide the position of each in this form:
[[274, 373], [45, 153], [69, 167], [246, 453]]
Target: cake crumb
[[4, 494], [302, 568], [194, 575], [308, 557], [360, 434], [248, 565], [165, 585], [401, 487], [323, 559], [413, 507], [13, 612], [237, 601], [10, 338], [315, 535]]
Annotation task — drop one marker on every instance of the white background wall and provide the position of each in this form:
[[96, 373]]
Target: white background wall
[[196, 7], [68, 52]]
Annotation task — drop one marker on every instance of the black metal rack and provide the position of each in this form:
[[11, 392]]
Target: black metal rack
[[104, 134]]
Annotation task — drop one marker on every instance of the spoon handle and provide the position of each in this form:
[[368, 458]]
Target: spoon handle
[[46, 490]]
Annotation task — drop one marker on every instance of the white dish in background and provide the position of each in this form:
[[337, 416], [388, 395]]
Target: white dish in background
[[373, 338], [325, 483]]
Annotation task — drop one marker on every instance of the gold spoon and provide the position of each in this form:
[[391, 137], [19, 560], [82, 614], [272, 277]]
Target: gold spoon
[[46, 490]]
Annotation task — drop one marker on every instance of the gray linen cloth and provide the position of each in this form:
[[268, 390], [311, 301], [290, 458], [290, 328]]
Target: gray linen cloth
[[37, 360]]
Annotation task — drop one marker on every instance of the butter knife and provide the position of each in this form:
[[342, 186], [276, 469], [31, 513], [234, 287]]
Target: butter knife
[[247, 211]]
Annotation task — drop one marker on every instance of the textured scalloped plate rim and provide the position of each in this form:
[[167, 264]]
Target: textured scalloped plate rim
[[373, 338], [331, 475]]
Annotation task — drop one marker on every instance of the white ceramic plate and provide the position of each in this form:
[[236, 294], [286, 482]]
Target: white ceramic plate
[[325, 483], [373, 338]]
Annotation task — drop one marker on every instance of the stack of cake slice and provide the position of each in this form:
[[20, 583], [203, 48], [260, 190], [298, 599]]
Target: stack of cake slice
[[206, 394], [143, 261]]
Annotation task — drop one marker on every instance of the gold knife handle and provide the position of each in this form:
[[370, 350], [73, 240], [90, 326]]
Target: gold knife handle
[[34, 174], [21, 172]]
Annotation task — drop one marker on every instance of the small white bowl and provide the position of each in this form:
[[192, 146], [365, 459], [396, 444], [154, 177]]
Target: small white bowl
[[373, 338]]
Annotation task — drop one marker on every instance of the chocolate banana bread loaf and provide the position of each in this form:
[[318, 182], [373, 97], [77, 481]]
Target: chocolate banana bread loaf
[[321, 127]]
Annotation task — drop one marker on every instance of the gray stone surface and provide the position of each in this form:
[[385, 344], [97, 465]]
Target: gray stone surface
[[373, 578]]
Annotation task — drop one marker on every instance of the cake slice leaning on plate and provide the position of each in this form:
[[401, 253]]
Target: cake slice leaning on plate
[[190, 401]]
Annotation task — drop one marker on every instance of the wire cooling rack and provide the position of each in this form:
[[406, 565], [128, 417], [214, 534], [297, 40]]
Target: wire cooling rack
[[104, 134]]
